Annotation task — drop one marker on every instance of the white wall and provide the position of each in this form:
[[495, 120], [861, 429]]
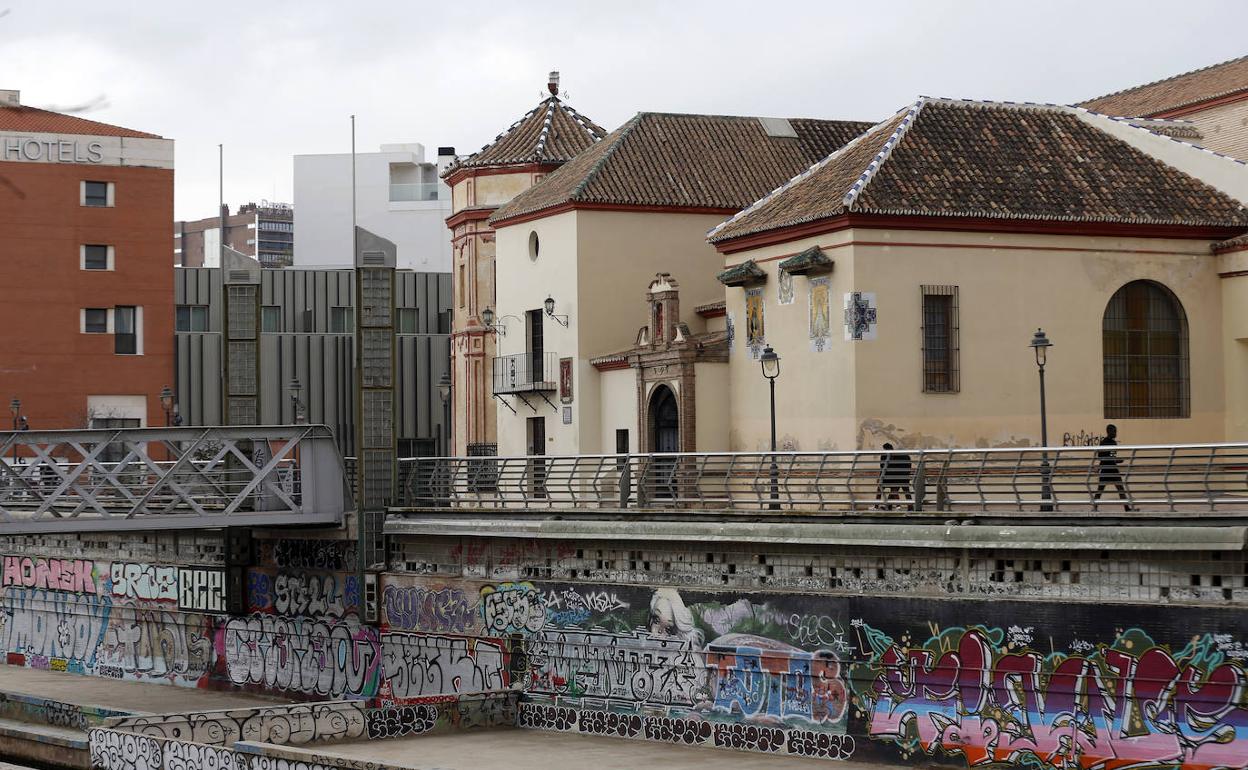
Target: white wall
[[323, 210]]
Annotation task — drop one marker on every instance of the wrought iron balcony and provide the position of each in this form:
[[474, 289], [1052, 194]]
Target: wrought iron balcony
[[161, 478], [526, 373], [1195, 481]]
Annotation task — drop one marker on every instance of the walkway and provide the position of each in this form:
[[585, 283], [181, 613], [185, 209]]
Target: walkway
[[135, 697], [517, 749]]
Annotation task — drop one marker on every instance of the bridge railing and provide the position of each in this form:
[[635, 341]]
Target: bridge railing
[[1119, 481], [156, 478]]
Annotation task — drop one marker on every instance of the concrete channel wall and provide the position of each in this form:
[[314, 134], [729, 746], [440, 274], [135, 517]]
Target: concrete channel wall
[[1051, 658]]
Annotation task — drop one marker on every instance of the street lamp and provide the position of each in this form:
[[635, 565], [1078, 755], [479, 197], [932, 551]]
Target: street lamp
[[444, 390], [549, 305], [771, 370], [1040, 345], [166, 403], [296, 406]]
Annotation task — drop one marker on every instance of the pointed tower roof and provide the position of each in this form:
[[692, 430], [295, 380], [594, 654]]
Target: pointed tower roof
[[550, 133]]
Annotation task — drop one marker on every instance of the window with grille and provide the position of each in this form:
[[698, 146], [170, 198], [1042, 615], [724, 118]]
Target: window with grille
[[1144, 344], [940, 340]]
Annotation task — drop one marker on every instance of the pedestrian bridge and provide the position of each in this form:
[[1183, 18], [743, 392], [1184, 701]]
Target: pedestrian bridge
[[166, 478], [1192, 481]]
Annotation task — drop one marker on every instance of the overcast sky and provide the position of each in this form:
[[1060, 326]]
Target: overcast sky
[[271, 80]]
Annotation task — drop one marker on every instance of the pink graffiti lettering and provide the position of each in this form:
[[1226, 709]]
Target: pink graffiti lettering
[[75, 575]]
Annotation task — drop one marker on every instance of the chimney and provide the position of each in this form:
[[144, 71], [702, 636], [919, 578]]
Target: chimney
[[553, 83], [446, 158], [10, 98]]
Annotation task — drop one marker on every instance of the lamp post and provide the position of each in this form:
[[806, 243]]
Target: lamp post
[[771, 370], [1040, 345], [166, 403], [15, 406], [549, 306], [444, 390]]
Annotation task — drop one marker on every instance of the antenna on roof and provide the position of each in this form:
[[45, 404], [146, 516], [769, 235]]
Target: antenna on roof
[[553, 83]]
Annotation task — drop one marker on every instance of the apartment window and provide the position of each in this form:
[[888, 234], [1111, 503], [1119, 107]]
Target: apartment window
[[97, 194], [191, 318], [407, 320], [271, 319], [95, 320], [125, 330], [940, 340], [113, 452], [96, 257], [1144, 344], [340, 320]]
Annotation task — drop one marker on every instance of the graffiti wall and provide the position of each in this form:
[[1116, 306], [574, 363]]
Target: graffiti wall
[[120, 620], [166, 623], [1016, 683]]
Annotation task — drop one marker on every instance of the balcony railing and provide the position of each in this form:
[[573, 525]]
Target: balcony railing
[[526, 373], [414, 191], [160, 478], [1193, 480]]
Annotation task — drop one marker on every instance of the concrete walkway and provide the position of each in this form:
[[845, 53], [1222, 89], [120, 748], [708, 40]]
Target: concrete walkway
[[516, 749], [136, 697]]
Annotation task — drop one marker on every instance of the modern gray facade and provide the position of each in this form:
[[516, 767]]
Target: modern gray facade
[[307, 324]]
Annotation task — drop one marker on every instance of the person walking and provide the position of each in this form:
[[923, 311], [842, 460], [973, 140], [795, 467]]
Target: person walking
[[1107, 469], [894, 477]]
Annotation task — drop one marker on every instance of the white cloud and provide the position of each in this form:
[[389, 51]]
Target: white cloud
[[275, 79]]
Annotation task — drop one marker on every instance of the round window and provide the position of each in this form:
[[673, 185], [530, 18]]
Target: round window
[[534, 245]]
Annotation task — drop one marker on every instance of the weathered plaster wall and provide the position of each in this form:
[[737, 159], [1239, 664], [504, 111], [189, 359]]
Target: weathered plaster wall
[[859, 394]]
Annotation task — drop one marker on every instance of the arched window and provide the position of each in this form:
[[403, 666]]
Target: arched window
[[1144, 338]]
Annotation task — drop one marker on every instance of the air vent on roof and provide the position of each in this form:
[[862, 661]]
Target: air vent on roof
[[374, 258], [778, 127], [239, 276]]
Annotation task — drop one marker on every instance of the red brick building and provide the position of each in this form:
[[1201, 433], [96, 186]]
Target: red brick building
[[86, 319]]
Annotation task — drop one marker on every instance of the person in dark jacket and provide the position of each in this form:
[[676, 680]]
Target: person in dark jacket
[[1107, 469], [894, 477]]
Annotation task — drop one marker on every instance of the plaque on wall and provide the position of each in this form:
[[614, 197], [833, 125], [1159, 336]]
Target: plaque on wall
[[567, 415], [565, 381]]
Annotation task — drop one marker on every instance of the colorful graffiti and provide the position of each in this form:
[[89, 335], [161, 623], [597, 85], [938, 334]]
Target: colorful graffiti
[[1128, 703], [312, 594]]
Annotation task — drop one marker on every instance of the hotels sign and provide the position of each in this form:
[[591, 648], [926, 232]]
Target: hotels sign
[[51, 150]]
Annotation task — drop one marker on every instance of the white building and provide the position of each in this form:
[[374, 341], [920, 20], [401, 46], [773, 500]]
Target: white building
[[399, 196]]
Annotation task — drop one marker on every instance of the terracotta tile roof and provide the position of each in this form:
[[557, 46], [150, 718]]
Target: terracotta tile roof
[[748, 273], [551, 132], [953, 158], [692, 161], [1174, 92], [1232, 244], [37, 121], [812, 260]]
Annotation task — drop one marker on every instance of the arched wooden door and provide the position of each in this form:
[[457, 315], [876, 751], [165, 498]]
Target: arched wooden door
[[664, 420]]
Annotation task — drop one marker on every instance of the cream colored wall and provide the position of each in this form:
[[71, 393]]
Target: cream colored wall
[[620, 252], [523, 285], [1008, 286], [497, 189], [1224, 128], [713, 405], [618, 395], [815, 393], [1235, 341]]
